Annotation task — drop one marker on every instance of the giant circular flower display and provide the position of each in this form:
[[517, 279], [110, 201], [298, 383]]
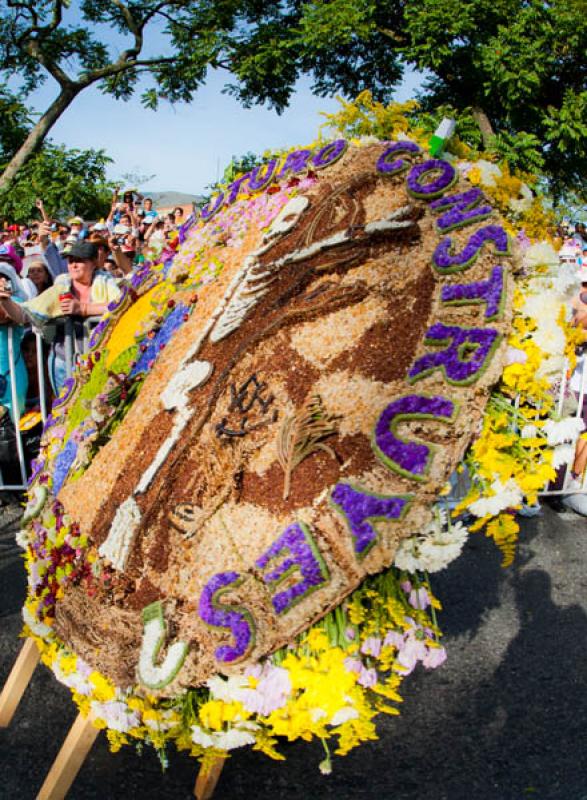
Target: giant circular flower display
[[264, 423]]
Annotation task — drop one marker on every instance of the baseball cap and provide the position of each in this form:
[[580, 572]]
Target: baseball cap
[[83, 250], [76, 221]]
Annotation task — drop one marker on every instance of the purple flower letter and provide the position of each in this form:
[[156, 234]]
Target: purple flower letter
[[235, 188], [234, 618], [431, 178], [443, 261], [398, 164], [465, 357], [329, 153], [257, 180], [211, 208], [303, 557], [410, 459], [295, 162], [361, 508], [461, 209], [490, 292]]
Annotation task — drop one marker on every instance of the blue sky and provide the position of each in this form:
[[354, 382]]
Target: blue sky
[[186, 147]]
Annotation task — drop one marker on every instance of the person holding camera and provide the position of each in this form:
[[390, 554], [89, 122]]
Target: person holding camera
[[84, 292]]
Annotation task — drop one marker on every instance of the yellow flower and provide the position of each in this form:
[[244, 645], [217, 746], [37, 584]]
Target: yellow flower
[[68, 663], [504, 531], [215, 713], [103, 688]]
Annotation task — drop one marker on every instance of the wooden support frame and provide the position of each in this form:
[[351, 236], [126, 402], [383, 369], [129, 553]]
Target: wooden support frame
[[207, 779], [19, 678], [70, 758], [79, 740]]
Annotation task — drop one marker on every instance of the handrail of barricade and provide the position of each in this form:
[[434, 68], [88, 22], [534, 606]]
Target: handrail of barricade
[[72, 352], [568, 477]]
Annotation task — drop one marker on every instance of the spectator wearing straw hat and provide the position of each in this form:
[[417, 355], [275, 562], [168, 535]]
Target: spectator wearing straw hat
[[76, 227]]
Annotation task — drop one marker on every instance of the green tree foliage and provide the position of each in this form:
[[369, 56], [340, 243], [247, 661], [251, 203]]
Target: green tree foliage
[[513, 72], [516, 69], [520, 66], [67, 180]]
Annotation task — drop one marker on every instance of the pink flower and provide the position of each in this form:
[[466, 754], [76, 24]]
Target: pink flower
[[367, 678], [371, 646], [419, 599], [353, 664], [414, 650], [394, 639], [271, 692], [434, 657]]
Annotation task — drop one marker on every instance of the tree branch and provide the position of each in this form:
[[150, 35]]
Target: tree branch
[[134, 28], [38, 134], [62, 78], [484, 123]]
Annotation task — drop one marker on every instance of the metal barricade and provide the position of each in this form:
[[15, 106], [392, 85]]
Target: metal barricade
[[73, 349], [564, 488]]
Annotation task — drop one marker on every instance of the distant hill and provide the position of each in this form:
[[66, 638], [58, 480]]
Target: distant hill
[[168, 199]]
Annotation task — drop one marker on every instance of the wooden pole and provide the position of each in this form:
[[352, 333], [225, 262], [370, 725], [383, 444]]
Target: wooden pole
[[72, 755], [17, 681], [207, 780]]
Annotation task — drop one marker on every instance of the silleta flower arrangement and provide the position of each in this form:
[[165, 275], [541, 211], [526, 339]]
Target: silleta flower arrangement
[[245, 485]]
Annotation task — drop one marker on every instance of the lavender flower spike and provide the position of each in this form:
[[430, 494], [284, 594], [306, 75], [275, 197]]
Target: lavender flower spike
[[303, 557], [410, 459], [233, 618], [467, 353]]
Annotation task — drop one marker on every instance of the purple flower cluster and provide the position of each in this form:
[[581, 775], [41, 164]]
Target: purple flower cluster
[[489, 291], [186, 226], [98, 333], [296, 161], [208, 211], [66, 392], [139, 277], [62, 465], [466, 355], [304, 556], [398, 164], [444, 261], [408, 458], [422, 183], [238, 621], [360, 508], [464, 209], [330, 153], [153, 346], [262, 175]]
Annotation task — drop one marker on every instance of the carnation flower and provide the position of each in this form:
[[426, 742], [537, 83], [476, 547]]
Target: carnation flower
[[563, 454], [520, 205], [563, 430], [117, 715], [508, 495], [488, 172], [541, 254], [432, 549]]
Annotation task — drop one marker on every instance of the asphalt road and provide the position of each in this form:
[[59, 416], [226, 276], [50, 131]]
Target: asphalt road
[[504, 719]]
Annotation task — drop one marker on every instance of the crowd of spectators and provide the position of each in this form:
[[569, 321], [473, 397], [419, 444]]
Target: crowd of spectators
[[55, 270]]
